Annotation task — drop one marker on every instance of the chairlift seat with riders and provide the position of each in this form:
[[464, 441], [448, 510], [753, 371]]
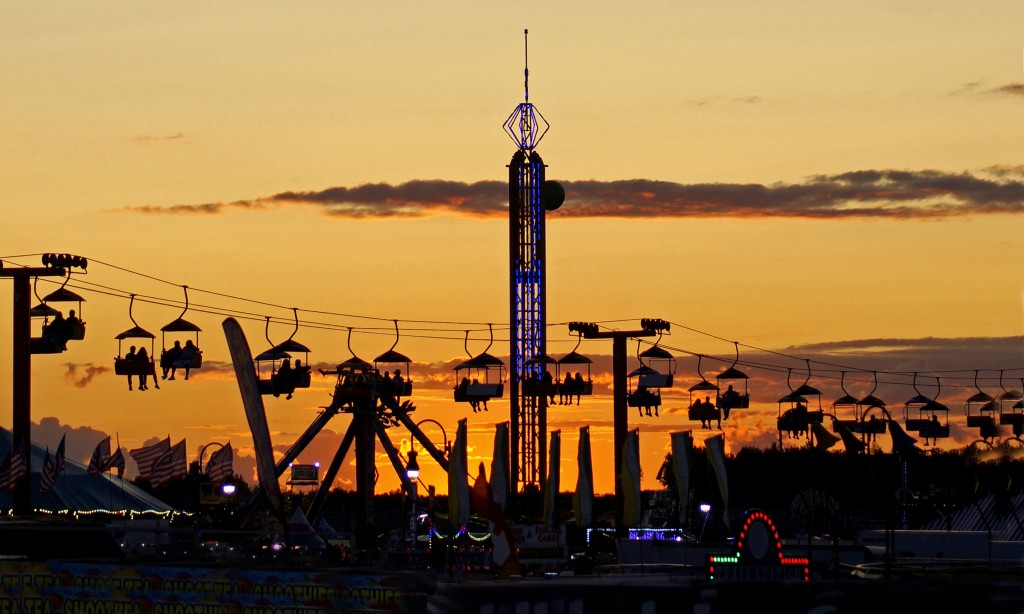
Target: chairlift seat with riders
[[274, 375], [481, 378], [1011, 408], [981, 409], [641, 395], [400, 386], [357, 381], [737, 400], [704, 411], [186, 357], [538, 381], [469, 374], [586, 387], [56, 334]]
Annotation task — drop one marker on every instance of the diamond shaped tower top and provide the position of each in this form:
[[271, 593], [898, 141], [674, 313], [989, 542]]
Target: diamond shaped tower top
[[526, 126]]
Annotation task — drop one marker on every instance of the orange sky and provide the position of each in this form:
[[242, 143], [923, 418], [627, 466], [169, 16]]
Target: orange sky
[[784, 176]]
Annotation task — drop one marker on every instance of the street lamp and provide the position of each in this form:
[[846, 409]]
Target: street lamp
[[412, 468], [705, 508]]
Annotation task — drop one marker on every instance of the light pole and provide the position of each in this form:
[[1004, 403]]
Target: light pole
[[705, 508]]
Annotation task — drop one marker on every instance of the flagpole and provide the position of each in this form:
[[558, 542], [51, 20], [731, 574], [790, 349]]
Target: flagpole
[[124, 517]]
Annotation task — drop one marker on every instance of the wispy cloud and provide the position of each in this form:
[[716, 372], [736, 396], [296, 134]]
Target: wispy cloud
[[81, 376], [889, 194], [1010, 89], [154, 138]]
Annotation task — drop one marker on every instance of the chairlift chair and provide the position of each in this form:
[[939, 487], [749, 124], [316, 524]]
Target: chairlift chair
[[188, 357], [271, 361], [726, 401], [1011, 409], [641, 395], [356, 381], [535, 374], [927, 422], [56, 334], [132, 366], [703, 411], [581, 386], [480, 378], [399, 387], [981, 409]]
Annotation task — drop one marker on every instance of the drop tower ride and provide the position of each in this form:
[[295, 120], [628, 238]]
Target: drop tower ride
[[528, 198]]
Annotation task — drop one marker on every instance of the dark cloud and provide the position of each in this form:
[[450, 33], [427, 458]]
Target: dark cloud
[[81, 376], [1010, 89], [893, 194], [80, 440]]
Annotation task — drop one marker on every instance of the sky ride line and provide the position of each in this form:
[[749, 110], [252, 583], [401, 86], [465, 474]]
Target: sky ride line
[[830, 373]]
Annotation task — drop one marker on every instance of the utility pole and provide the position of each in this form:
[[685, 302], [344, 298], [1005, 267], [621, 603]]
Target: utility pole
[[21, 365], [620, 407]]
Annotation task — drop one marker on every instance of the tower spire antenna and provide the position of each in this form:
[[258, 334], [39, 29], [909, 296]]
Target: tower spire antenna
[[526, 62], [526, 126]]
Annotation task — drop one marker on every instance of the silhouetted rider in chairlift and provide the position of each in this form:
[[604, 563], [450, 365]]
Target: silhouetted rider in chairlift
[[282, 381], [170, 357], [730, 399]]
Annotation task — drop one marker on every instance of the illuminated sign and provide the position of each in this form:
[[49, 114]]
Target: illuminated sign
[[758, 555], [305, 475]]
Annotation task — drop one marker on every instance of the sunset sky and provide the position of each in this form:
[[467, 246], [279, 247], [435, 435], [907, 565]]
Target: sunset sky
[[842, 184]]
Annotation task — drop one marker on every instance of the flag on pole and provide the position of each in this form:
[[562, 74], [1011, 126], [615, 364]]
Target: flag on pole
[[221, 465], [682, 448], [117, 461], [583, 498], [716, 456], [100, 460], [551, 515], [503, 550], [52, 468], [631, 479], [823, 440], [458, 484], [902, 442], [147, 455], [850, 442], [14, 469], [5, 472], [499, 465], [170, 466]]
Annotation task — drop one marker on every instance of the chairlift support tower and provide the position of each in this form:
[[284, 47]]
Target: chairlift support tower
[[527, 289]]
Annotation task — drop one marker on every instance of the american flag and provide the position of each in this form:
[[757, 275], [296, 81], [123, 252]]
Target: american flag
[[221, 465], [170, 466], [117, 460], [15, 469], [52, 469], [100, 460], [147, 455]]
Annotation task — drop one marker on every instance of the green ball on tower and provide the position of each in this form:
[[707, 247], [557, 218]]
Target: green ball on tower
[[552, 194]]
